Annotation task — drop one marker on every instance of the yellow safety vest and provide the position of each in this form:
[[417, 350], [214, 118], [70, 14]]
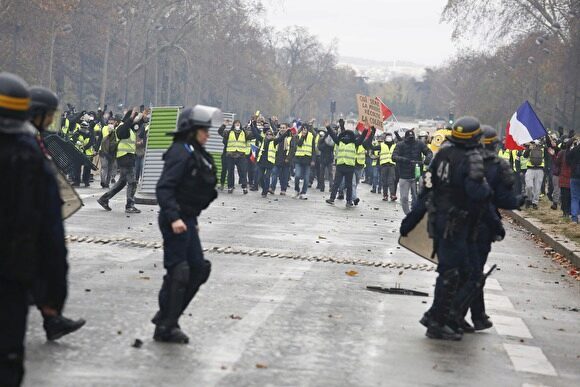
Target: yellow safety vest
[[127, 146], [90, 151], [504, 154], [306, 148], [387, 154], [361, 156], [288, 145], [529, 162], [346, 154], [271, 152], [248, 146], [523, 162], [65, 127], [236, 144]]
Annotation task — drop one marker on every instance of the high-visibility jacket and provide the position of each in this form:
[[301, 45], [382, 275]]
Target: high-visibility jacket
[[529, 162], [89, 151], [346, 154], [248, 148], [316, 139], [504, 154], [272, 148], [128, 145], [236, 144], [374, 155], [305, 150], [515, 158], [387, 154], [288, 145], [361, 156], [523, 162]]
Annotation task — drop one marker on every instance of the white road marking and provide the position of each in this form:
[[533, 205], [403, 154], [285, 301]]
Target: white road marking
[[499, 303], [511, 326], [529, 359], [534, 385], [230, 347], [493, 284]]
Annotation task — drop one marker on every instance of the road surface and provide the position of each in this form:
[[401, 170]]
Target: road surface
[[281, 310]]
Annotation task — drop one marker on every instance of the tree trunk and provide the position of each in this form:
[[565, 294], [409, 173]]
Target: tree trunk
[[105, 69]]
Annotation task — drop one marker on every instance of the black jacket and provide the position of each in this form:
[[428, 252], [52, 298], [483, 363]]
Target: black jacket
[[348, 137], [408, 154], [23, 207], [187, 184], [573, 160], [326, 151]]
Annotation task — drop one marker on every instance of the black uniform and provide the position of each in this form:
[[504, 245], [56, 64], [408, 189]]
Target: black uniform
[[185, 188], [24, 220], [459, 194], [501, 179]]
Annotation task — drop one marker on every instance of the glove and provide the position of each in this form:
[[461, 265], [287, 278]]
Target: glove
[[499, 233]]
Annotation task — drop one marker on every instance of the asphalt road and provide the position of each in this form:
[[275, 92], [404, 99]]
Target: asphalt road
[[281, 310]]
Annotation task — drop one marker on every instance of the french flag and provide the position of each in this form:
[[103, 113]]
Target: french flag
[[524, 127], [254, 153]]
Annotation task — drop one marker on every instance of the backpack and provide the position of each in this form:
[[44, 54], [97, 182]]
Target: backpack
[[536, 157], [110, 143]]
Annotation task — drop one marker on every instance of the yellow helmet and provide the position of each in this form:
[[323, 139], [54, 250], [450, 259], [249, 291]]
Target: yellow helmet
[[438, 138]]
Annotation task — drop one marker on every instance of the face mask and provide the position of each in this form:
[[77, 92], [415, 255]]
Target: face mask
[[389, 139], [237, 127]]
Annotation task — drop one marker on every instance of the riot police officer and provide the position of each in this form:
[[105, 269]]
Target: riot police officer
[[22, 222], [50, 295], [501, 178], [459, 191], [186, 187]]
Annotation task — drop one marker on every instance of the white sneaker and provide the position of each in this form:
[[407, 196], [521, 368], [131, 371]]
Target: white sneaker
[[302, 197]]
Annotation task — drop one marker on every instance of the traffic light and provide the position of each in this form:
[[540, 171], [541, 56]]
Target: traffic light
[[451, 118]]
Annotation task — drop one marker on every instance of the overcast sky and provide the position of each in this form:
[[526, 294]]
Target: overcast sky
[[371, 29]]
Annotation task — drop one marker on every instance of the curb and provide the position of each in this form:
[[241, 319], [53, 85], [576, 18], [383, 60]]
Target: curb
[[560, 244]]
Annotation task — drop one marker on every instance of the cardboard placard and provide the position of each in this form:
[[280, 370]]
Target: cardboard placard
[[369, 111]]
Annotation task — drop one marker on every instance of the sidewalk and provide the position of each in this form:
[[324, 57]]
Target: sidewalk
[[557, 234]]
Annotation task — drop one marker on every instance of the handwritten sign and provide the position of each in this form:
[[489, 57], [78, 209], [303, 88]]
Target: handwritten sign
[[369, 111]]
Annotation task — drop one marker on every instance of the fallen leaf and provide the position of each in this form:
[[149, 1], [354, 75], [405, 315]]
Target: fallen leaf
[[261, 366], [321, 237], [352, 273], [234, 317], [145, 278], [137, 344]]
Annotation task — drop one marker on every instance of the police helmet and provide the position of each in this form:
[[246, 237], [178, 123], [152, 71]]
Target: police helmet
[[467, 130], [489, 135], [84, 125], [198, 117], [14, 97], [42, 101]]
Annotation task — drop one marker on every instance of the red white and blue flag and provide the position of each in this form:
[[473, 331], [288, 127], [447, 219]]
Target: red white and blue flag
[[524, 127], [254, 153]]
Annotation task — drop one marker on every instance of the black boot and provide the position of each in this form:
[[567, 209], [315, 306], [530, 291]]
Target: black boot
[[444, 294], [171, 300], [170, 335], [480, 325], [59, 326]]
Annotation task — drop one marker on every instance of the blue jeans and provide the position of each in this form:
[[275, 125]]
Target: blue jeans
[[376, 173], [139, 161], [575, 198], [274, 180], [302, 172]]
